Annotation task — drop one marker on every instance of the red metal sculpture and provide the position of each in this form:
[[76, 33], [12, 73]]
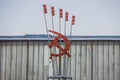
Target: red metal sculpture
[[63, 51], [60, 62]]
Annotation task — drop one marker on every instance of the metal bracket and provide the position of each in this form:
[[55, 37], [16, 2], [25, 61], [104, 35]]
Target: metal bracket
[[59, 77]]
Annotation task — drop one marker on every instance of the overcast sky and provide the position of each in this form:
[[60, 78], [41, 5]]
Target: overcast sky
[[93, 17]]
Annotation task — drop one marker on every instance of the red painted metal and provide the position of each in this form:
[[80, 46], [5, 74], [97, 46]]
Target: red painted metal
[[63, 51]]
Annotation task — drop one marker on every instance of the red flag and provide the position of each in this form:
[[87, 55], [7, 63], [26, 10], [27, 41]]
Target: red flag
[[52, 11], [60, 11], [73, 20], [45, 8], [66, 16]]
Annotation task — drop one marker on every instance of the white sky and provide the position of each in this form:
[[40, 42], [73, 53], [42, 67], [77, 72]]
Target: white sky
[[93, 17]]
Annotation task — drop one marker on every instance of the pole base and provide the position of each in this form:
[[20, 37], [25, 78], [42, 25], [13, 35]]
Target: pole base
[[59, 77]]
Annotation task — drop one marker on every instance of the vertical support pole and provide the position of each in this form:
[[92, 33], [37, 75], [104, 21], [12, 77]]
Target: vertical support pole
[[52, 17], [52, 24], [59, 51], [69, 50], [46, 28], [70, 32], [60, 16], [65, 28], [45, 12], [53, 35], [64, 63]]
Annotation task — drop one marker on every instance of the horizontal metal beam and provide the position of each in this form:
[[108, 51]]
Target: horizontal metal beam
[[59, 77]]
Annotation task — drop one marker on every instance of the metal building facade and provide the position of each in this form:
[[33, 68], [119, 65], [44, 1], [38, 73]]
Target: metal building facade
[[95, 58]]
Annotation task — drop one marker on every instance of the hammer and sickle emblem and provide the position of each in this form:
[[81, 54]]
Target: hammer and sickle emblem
[[63, 51]]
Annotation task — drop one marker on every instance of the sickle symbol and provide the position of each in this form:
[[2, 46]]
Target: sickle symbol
[[63, 51]]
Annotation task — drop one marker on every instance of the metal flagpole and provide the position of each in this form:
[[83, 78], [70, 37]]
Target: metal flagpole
[[70, 49], [52, 15], [60, 16], [72, 23], [45, 12], [65, 66], [52, 12], [66, 19]]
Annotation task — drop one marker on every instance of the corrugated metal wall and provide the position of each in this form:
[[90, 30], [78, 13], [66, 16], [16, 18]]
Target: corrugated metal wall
[[90, 60]]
